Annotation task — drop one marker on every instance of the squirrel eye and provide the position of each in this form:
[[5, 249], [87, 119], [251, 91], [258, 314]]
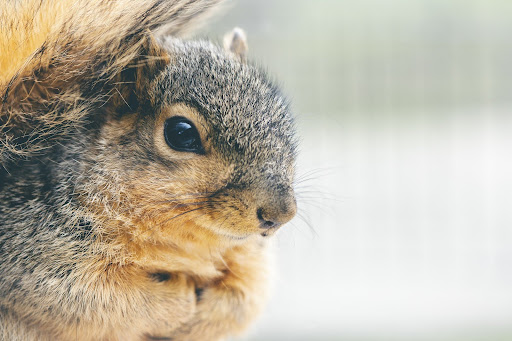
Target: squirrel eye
[[181, 135]]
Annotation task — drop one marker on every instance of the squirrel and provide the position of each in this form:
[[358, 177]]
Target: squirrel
[[141, 174]]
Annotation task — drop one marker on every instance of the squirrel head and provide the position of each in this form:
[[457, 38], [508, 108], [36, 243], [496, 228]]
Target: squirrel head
[[197, 145]]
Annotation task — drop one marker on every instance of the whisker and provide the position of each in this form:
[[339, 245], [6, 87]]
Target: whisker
[[178, 204], [191, 195], [196, 217], [313, 203], [314, 174], [183, 213], [326, 194], [178, 198], [318, 199], [325, 209], [227, 217], [307, 222], [315, 171]]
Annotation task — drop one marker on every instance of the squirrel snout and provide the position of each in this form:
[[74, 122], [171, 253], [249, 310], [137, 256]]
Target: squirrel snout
[[274, 213]]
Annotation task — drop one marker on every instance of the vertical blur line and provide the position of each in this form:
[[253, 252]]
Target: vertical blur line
[[387, 40], [421, 53], [487, 90], [465, 45], [456, 63], [355, 42]]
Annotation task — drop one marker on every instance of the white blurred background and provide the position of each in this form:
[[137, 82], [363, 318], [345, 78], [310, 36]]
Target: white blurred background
[[404, 109]]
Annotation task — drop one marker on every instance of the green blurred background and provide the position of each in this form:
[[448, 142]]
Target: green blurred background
[[403, 107]]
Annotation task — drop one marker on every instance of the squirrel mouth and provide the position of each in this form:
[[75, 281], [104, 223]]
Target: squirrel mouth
[[268, 232], [234, 237]]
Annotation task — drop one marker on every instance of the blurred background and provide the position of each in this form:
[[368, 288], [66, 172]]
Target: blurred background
[[405, 171]]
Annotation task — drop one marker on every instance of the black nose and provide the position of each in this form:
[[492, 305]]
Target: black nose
[[273, 214], [264, 223]]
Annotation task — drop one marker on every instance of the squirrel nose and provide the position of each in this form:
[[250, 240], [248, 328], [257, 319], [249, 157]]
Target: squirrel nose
[[276, 213]]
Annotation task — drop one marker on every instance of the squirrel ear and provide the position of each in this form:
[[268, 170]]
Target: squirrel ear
[[235, 42]]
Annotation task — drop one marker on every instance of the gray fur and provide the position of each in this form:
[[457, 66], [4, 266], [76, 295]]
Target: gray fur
[[246, 109]]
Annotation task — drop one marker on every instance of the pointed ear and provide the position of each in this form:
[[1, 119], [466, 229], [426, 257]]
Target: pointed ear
[[235, 42]]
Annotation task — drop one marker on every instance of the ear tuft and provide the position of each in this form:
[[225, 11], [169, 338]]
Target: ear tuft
[[235, 42]]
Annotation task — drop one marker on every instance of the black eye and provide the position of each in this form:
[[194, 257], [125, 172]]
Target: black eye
[[181, 135]]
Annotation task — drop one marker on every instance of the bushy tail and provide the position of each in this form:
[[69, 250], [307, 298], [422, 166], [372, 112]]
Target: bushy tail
[[56, 56]]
